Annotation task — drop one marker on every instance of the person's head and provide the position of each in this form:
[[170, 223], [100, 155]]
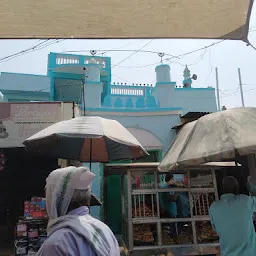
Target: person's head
[[169, 178], [66, 189], [230, 185], [80, 198]]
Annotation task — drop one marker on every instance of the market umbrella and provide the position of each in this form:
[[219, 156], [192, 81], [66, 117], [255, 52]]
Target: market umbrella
[[216, 137], [87, 139]]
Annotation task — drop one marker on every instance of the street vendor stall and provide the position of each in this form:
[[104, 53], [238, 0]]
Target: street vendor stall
[[146, 228], [30, 231]]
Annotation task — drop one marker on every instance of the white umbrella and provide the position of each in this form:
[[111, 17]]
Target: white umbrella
[[87, 139], [215, 137]]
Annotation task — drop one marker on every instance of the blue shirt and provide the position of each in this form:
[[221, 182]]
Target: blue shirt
[[65, 242], [169, 206], [231, 218], [179, 208]]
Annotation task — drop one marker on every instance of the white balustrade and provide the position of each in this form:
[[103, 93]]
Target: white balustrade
[[64, 60], [127, 91]]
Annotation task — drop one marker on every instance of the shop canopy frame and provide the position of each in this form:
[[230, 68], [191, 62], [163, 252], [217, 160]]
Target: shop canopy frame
[[101, 19]]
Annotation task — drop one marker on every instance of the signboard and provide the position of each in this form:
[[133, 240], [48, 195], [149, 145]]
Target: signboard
[[18, 121]]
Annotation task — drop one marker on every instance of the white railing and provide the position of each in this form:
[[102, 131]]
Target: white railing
[[62, 60], [98, 61], [126, 91]]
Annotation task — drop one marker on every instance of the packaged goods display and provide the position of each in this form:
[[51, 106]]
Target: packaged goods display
[[30, 235], [30, 231], [35, 208]]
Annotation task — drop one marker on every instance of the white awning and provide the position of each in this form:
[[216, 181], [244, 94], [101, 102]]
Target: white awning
[[146, 138], [216, 19]]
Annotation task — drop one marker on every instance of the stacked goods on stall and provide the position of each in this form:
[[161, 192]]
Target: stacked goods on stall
[[206, 233], [35, 208], [142, 210], [184, 238], [142, 235], [167, 239], [181, 235], [29, 236], [30, 230]]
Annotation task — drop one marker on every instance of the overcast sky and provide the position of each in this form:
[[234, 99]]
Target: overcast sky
[[228, 56]]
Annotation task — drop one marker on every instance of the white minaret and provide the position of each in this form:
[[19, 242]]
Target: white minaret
[[164, 89], [93, 86]]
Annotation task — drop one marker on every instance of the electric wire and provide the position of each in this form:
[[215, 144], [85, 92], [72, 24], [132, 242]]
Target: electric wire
[[36, 47], [44, 44], [129, 56], [23, 51], [118, 48]]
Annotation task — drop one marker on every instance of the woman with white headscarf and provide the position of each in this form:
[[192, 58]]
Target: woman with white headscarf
[[71, 229]]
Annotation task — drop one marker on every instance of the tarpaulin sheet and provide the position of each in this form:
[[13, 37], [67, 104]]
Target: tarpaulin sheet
[[226, 19]]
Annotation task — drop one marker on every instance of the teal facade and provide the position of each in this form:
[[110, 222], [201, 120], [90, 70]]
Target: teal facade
[[150, 111], [17, 87]]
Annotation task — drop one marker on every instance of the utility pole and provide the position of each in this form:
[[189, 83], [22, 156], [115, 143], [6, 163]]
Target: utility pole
[[218, 89], [241, 87]]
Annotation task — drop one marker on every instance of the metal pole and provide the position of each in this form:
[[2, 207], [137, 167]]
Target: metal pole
[[218, 89], [90, 154], [83, 103], [129, 201], [241, 87]]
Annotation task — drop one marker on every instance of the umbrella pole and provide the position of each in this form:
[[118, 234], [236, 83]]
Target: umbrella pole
[[90, 154]]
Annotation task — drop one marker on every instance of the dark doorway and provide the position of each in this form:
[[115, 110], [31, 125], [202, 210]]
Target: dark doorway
[[22, 178]]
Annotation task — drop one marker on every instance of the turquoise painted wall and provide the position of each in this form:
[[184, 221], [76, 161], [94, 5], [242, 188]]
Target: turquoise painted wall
[[24, 96], [196, 99], [24, 87]]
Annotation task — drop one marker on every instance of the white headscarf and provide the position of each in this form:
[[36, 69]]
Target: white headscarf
[[60, 187]]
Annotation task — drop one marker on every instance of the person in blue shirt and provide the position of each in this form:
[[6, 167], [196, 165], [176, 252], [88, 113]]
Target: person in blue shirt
[[231, 217], [168, 199], [173, 203]]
